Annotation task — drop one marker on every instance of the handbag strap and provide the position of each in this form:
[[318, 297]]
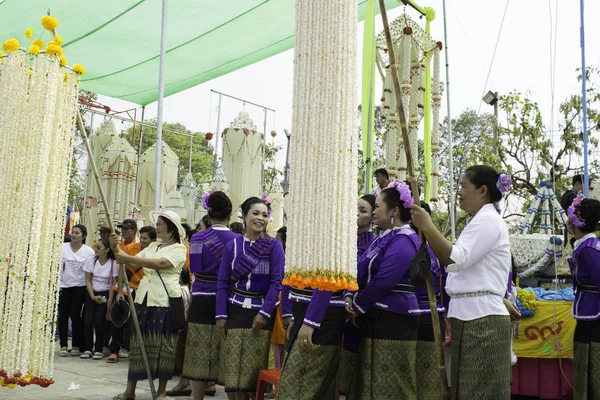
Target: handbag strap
[[163, 282]]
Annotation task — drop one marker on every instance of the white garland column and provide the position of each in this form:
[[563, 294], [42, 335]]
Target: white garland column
[[324, 145]]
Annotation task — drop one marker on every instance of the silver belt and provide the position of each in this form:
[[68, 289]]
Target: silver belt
[[473, 294]]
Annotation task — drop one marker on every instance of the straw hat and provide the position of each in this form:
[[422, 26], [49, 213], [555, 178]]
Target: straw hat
[[171, 216]]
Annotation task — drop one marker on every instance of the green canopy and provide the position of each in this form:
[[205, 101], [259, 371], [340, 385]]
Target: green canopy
[[118, 40]]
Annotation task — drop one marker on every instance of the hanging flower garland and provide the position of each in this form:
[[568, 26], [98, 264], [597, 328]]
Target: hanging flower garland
[[33, 82], [324, 139]]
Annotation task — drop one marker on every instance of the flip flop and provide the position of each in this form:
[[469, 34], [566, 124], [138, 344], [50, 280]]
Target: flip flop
[[123, 396], [179, 392], [113, 358]]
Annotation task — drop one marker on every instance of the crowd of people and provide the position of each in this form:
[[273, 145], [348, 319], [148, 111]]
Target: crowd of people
[[373, 343]]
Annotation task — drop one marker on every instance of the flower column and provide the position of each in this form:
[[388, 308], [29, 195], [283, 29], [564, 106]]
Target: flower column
[[322, 211]]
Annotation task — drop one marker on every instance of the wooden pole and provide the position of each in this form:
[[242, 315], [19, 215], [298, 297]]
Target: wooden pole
[[134, 316], [414, 185]]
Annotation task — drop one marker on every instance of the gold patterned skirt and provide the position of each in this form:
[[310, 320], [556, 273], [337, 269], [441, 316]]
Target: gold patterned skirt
[[388, 357], [481, 367], [203, 345], [428, 374], [160, 343], [586, 342], [311, 374], [244, 353]]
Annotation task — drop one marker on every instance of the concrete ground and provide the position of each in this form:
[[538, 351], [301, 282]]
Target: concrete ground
[[97, 380]]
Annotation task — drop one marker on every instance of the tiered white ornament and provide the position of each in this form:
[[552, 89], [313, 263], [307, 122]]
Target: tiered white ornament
[[38, 102], [242, 159], [117, 160], [324, 148]]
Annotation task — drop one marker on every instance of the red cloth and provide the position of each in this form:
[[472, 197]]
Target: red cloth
[[542, 377]]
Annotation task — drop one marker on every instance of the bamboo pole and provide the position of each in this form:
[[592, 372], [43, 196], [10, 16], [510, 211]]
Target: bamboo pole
[[134, 316], [413, 181]]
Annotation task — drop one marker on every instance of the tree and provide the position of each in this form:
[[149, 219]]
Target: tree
[[272, 173], [202, 151], [378, 146]]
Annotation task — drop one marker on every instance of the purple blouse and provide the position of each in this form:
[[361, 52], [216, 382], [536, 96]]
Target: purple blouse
[[585, 268], [384, 265], [266, 278], [438, 276], [364, 239], [206, 251]]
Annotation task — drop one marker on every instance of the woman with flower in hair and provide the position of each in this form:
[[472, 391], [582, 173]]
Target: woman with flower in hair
[[478, 265], [248, 288], [584, 215], [201, 363], [386, 305], [364, 220]]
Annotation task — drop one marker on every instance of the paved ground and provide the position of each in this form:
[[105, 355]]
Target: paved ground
[[97, 380]]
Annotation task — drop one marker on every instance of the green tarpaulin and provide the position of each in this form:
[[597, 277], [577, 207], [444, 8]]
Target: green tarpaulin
[[118, 40]]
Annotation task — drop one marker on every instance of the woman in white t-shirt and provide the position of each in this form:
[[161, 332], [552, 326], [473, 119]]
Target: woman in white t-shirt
[[478, 265], [101, 273], [72, 290]]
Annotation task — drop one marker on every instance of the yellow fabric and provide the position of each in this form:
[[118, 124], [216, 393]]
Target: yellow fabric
[[535, 337], [151, 284]]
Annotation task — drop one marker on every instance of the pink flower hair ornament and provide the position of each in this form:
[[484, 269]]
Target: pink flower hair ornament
[[404, 191], [265, 197], [572, 212]]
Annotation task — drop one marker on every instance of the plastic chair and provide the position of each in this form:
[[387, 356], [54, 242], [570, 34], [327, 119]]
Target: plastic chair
[[267, 376]]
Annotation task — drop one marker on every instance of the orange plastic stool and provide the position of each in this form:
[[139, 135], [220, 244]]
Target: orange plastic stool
[[267, 376]]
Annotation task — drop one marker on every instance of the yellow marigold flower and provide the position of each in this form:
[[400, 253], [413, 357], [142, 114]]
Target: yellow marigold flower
[[49, 23], [1, 54], [58, 39], [29, 33], [79, 69], [60, 51], [39, 43], [34, 49], [63, 60], [52, 49], [30, 72], [52, 42], [65, 78], [11, 45]]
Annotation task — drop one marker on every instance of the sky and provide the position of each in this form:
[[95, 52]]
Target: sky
[[523, 62]]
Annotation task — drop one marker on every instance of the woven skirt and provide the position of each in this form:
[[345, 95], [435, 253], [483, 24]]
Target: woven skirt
[[160, 343], [348, 356], [203, 345], [481, 366], [428, 374], [388, 357], [244, 353], [587, 360], [311, 374]]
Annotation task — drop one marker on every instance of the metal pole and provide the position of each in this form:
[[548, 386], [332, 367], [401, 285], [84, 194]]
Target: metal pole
[[242, 100], [139, 153], [264, 144], [586, 178], [497, 127], [217, 133], [191, 143], [159, 116], [452, 206]]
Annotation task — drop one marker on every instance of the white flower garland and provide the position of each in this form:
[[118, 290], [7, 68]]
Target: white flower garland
[[38, 100], [321, 250]]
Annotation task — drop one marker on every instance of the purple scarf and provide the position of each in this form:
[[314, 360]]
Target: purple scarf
[[211, 241], [251, 257]]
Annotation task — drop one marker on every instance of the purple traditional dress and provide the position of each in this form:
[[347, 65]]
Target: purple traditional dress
[[585, 268], [389, 320], [203, 345], [351, 332], [248, 284], [428, 376]]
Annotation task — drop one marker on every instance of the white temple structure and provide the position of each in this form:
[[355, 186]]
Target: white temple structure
[[189, 194], [276, 210], [170, 197], [117, 161], [242, 159]]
